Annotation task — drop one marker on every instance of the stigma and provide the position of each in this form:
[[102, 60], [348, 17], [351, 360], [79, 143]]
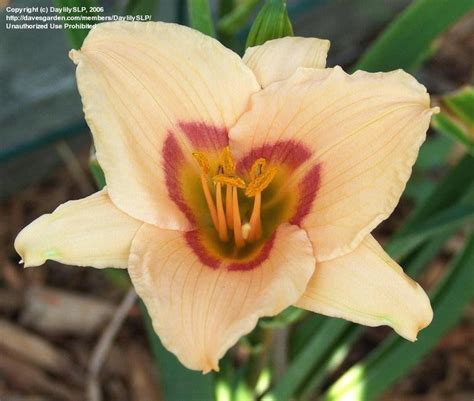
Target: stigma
[[223, 208]]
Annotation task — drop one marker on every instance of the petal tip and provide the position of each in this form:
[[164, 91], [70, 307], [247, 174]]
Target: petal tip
[[28, 260], [210, 367], [209, 363], [19, 247], [23, 246], [413, 339], [408, 333], [326, 43], [75, 56], [425, 318]]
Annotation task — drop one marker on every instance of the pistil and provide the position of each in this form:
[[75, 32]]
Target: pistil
[[221, 220], [238, 237], [228, 166], [229, 206], [232, 212], [255, 220]]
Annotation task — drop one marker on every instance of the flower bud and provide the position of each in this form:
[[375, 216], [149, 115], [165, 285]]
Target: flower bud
[[272, 22]]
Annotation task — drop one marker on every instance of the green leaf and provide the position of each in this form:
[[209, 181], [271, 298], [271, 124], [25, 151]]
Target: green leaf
[[272, 22], [225, 7], [368, 379], [96, 171], [177, 382], [461, 103], [316, 350], [412, 33], [434, 153], [200, 16], [453, 217], [448, 192], [288, 316], [118, 278], [141, 7], [224, 379], [447, 126], [416, 261], [456, 120], [303, 331], [336, 356], [232, 22]]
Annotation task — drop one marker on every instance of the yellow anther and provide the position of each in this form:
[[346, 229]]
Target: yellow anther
[[231, 180], [259, 183], [257, 168], [227, 161], [202, 161]]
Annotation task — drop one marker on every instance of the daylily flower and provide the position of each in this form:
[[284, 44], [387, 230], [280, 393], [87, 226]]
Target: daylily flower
[[238, 187]]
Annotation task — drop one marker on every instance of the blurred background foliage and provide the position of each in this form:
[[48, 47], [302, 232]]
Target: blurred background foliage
[[296, 355]]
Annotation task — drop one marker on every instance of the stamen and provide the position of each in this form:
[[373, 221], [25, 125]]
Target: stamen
[[238, 238], [221, 222], [255, 221], [229, 212], [209, 200], [231, 181], [204, 165], [261, 175]]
